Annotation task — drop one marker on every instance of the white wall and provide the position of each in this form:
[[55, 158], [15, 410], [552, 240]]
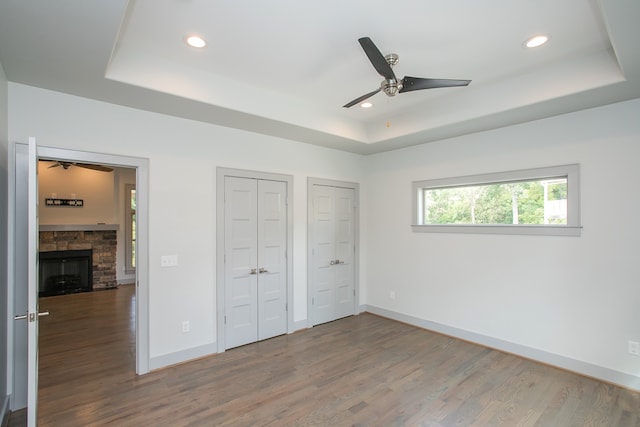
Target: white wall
[[96, 189], [573, 297], [183, 157]]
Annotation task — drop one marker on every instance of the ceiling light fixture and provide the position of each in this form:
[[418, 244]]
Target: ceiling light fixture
[[536, 41], [196, 41], [366, 105]]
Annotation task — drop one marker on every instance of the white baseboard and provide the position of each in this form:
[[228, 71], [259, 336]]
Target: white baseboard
[[4, 415], [299, 325], [590, 370], [165, 360]]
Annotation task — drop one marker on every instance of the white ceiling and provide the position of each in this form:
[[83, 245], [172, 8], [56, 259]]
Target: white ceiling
[[286, 67]]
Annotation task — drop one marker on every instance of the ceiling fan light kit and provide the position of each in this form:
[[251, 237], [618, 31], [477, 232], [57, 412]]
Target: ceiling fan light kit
[[391, 85]]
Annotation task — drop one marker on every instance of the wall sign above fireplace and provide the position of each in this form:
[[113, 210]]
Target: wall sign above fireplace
[[77, 203]]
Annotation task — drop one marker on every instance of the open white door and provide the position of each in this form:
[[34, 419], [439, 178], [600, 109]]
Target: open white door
[[32, 315]]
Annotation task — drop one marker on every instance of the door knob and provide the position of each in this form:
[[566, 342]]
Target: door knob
[[253, 271], [263, 270]]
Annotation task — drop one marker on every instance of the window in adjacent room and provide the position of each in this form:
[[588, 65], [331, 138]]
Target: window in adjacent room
[[130, 228], [533, 201]]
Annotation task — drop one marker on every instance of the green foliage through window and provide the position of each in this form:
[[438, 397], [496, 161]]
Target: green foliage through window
[[527, 202]]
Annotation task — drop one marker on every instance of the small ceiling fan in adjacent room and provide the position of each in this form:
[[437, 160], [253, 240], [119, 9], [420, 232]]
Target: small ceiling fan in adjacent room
[[391, 85], [67, 165]]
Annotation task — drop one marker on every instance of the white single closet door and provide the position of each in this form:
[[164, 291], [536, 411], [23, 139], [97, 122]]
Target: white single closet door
[[333, 243]]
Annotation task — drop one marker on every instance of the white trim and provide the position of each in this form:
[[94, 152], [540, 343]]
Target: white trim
[[573, 227], [221, 173], [142, 216], [356, 256], [129, 269], [578, 366], [79, 227], [299, 325], [4, 411], [536, 230], [158, 362], [11, 242]]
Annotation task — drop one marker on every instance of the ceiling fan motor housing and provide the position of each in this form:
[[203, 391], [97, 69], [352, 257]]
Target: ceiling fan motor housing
[[390, 87]]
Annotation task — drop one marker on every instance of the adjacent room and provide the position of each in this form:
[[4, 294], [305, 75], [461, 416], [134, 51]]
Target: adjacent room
[[329, 214]]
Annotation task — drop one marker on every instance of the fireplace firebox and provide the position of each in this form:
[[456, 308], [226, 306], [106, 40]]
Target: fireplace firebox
[[65, 272]]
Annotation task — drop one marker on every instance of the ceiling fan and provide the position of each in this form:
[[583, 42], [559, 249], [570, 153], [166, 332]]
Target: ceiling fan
[[391, 85], [67, 165]]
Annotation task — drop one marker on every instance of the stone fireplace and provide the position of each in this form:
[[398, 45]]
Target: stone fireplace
[[100, 240]]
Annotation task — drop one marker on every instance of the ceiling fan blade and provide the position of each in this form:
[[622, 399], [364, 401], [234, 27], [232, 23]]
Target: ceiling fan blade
[[417, 83], [94, 167], [377, 59], [362, 98]]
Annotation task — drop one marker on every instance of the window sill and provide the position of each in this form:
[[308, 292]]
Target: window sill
[[533, 230]]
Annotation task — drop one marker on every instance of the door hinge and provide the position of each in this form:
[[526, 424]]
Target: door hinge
[[313, 300], [286, 307], [354, 292], [225, 319]]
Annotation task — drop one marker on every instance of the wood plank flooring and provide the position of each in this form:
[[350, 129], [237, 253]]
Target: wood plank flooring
[[360, 371]]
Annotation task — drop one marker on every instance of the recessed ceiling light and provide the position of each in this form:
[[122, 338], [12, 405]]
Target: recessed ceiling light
[[366, 105], [536, 41], [196, 41]]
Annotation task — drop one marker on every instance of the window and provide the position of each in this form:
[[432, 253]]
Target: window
[[535, 201], [130, 228]]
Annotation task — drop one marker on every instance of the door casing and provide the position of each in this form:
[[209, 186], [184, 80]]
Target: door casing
[[221, 173]]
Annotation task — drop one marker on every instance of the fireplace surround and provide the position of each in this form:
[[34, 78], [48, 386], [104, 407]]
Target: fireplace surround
[[100, 239]]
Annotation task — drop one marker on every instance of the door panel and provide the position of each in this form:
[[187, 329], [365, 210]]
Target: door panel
[[345, 244], [32, 292], [324, 254], [333, 243], [272, 258], [241, 254]]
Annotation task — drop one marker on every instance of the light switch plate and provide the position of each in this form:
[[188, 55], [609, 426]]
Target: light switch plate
[[168, 260]]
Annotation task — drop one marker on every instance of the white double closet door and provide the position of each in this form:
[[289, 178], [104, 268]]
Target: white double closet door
[[255, 260], [333, 249]]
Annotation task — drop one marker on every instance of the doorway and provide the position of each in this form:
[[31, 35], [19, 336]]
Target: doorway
[[18, 269], [254, 269], [333, 250]]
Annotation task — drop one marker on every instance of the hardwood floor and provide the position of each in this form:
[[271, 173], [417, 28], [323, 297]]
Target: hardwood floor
[[363, 370]]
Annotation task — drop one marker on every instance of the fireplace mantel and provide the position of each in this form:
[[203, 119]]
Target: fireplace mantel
[[79, 227]]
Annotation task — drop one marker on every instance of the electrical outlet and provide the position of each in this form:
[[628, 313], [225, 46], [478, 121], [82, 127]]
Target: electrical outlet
[[634, 347], [392, 294], [185, 326]]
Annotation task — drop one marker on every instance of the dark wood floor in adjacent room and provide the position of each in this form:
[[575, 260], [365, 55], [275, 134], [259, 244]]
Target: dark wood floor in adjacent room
[[363, 370]]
